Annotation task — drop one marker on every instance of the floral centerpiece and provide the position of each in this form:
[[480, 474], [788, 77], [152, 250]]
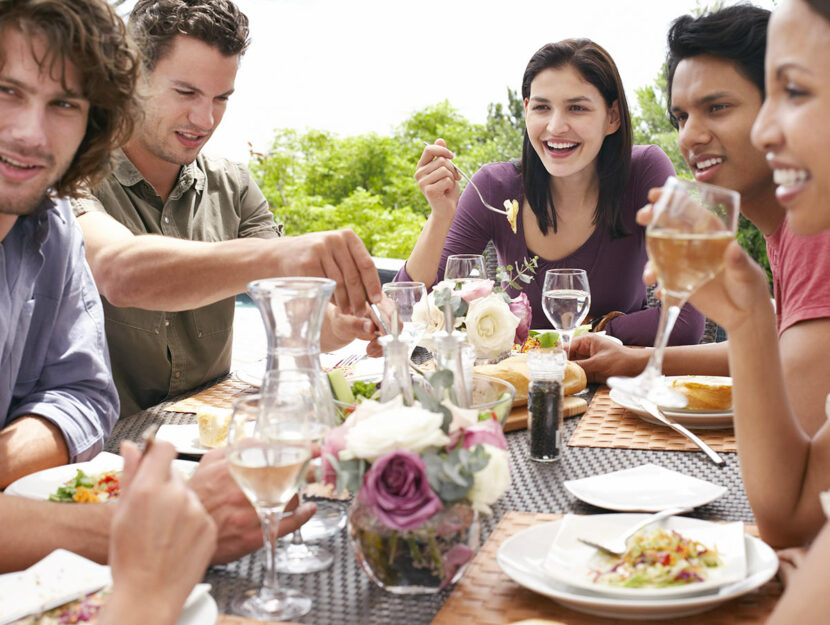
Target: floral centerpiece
[[421, 474], [493, 322]]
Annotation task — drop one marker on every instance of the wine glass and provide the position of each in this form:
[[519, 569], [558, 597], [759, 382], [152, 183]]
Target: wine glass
[[269, 449], [298, 556], [406, 295], [566, 299], [462, 268], [692, 225]]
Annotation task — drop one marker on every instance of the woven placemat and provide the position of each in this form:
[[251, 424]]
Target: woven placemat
[[605, 424], [487, 596], [217, 396]]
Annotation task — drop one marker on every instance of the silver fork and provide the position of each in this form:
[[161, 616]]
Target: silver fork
[[348, 361], [500, 211], [618, 544]]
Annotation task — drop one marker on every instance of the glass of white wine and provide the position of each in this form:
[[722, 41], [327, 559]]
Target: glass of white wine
[[691, 227], [269, 450], [566, 299]]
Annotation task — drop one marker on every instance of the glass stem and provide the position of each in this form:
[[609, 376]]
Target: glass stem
[[270, 520], [669, 312], [566, 339]]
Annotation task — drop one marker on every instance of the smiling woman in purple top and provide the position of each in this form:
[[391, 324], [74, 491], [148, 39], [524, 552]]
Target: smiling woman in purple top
[[579, 184]]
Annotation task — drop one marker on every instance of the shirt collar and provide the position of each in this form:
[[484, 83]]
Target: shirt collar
[[128, 175]]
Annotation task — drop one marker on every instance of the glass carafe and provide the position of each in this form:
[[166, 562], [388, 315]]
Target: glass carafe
[[292, 310]]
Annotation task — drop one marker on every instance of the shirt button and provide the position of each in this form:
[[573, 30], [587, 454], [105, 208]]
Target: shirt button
[[167, 220], [166, 322], [178, 374]]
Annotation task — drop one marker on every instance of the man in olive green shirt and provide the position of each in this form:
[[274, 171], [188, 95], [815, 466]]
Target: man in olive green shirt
[[172, 235]]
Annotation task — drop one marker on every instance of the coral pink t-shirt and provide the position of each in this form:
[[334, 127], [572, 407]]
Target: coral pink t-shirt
[[801, 275]]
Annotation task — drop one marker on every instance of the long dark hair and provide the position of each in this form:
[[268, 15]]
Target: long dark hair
[[597, 67]]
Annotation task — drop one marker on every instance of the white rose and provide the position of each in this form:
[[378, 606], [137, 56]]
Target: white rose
[[491, 326], [370, 407], [426, 312], [492, 481], [405, 427]]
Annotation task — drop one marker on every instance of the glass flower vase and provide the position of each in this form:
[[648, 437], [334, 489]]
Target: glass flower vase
[[419, 561]]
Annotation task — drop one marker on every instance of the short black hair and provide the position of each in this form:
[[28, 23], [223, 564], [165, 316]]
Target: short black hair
[[822, 7], [737, 33]]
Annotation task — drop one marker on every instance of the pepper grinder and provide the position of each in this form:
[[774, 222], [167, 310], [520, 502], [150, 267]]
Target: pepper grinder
[[544, 404]]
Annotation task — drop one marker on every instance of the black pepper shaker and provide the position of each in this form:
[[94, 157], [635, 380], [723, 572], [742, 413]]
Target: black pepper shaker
[[544, 404]]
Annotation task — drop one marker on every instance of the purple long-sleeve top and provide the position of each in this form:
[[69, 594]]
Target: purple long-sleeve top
[[614, 266]]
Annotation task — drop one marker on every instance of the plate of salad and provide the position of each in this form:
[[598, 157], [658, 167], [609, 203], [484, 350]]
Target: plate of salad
[[678, 556], [94, 481]]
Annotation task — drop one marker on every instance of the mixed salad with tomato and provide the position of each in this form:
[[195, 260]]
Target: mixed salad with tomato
[[85, 488]]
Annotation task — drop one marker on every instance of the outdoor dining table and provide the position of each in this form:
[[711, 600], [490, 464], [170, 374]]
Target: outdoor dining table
[[343, 594]]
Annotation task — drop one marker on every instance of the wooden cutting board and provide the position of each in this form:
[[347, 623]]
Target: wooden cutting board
[[517, 419]]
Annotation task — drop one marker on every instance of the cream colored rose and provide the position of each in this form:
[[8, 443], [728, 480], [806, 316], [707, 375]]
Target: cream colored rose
[[492, 481], [404, 427], [491, 326], [426, 312]]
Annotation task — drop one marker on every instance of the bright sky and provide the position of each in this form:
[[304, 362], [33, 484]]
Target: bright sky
[[356, 66]]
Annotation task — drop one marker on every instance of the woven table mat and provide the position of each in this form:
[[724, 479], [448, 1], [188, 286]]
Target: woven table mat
[[217, 396], [605, 424], [487, 596]]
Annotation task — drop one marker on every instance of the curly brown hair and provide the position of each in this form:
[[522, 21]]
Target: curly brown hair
[[154, 24], [89, 35]]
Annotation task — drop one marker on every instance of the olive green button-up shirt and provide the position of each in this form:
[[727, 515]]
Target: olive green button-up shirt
[[156, 354]]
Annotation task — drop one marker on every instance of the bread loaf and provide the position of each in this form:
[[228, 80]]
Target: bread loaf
[[515, 370], [705, 392]]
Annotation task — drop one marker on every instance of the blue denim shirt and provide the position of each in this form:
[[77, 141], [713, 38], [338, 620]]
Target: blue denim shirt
[[54, 361]]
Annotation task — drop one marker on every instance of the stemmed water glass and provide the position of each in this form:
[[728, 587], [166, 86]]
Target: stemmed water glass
[[461, 268], [692, 225], [566, 299], [405, 296], [297, 556], [269, 449]]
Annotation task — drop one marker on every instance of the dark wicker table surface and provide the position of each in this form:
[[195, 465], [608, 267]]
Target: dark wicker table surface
[[344, 595]]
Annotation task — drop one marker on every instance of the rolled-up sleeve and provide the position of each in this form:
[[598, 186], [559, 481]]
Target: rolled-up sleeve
[[66, 376]]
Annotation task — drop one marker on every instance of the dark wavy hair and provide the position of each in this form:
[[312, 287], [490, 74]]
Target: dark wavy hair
[[737, 33], [597, 67], [219, 23], [89, 35]]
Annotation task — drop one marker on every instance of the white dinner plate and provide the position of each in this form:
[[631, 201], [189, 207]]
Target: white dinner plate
[[43, 483], [694, 420], [647, 488], [63, 576], [184, 437], [572, 562], [521, 557]]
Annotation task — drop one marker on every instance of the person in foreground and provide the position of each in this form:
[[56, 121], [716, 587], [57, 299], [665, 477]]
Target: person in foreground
[[578, 185], [57, 399], [784, 469], [173, 235], [716, 86], [161, 541], [67, 78]]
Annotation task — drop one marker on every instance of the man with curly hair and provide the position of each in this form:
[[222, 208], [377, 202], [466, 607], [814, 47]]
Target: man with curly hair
[[173, 235], [59, 89], [67, 99]]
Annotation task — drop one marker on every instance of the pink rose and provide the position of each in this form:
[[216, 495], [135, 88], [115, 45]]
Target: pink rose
[[396, 489], [476, 289], [333, 444], [520, 306], [487, 432]]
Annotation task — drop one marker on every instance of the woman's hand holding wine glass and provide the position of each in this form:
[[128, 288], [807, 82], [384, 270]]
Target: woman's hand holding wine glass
[[691, 226]]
